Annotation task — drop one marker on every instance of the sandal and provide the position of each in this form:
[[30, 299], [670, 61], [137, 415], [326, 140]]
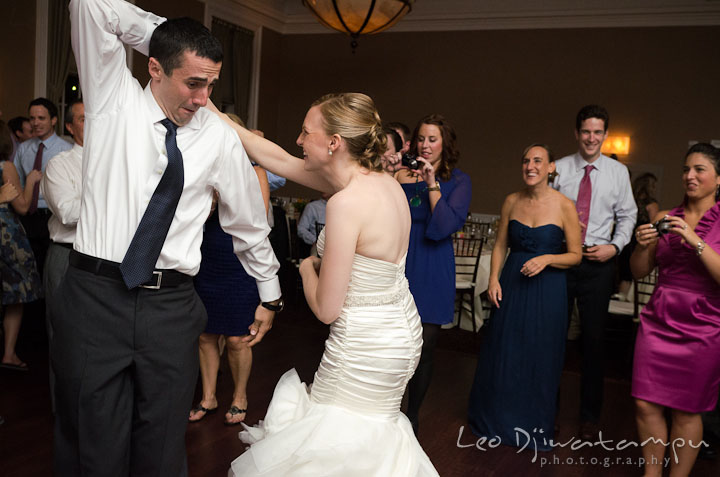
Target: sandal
[[200, 408], [15, 367], [234, 411]]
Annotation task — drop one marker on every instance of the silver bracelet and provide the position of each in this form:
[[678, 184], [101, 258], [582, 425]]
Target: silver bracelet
[[699, 248]]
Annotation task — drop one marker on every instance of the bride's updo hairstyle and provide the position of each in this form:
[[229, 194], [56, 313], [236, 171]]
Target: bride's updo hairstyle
[[354, 118]]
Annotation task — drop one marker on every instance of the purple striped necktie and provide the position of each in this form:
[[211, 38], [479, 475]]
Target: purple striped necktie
[[582, 204]]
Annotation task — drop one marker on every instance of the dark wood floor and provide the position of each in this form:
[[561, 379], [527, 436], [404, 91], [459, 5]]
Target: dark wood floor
[[297, 341]]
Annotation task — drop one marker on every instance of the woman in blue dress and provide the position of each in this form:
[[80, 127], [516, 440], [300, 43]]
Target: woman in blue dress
[[230, 297], [20, 279], [514, 394], [439, 196]]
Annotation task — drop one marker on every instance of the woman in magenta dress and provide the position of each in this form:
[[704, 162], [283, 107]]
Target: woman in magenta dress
[[677, 353]]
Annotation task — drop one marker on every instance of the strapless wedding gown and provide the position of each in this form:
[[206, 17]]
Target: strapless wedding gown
[[349, 423]]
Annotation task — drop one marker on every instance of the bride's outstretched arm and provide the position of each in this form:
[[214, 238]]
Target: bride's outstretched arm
[[273, 157], [326, 281]]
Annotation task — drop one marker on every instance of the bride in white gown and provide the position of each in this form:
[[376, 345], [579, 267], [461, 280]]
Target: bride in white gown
[[349, 423]]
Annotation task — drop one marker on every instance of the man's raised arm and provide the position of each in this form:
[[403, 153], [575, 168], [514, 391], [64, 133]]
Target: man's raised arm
[[100, 29]]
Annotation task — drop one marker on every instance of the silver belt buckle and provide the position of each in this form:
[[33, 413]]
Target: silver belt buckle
[[156, 286]]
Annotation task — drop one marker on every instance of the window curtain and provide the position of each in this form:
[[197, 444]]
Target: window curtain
[[232, 91], [60, 59]]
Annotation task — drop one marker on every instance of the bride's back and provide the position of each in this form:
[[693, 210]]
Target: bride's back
[[379, 205], [372, 204]]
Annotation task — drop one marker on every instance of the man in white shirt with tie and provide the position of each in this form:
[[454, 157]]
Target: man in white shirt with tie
[[600, 187], [125, 347], [61, 186], [35, 154]]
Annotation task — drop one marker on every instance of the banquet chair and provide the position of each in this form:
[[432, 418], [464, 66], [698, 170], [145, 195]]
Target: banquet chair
[[643, 291], [293, 256], [318, 229], [467, 257], [624, 317], [475, 229]]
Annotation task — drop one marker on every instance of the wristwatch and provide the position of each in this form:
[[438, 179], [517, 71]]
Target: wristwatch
[[617, 249], [275, 305], [435, 187]]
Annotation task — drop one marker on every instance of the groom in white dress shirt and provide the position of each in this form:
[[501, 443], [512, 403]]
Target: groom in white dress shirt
[[125, 355]]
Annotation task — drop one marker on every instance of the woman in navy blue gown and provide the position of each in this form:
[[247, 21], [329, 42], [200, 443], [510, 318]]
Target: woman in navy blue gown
[[230, 297], [439, 196], [521, 358]]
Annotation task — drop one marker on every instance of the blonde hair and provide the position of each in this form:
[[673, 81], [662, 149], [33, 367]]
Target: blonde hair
[[236, 119], [353, 117]]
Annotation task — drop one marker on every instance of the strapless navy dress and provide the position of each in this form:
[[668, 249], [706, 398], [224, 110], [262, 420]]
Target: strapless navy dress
[[514, 395]]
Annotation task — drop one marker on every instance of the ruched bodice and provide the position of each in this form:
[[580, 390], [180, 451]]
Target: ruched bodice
[[350, 424], [538, 240], [375, 343]]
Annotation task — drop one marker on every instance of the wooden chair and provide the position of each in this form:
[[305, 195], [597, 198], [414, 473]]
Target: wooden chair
[[474, 229], [642, 291], [467, 257], [318, 229], [624, 316]]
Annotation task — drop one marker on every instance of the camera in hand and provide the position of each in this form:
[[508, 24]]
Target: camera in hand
[[410, 161], [663, 226]]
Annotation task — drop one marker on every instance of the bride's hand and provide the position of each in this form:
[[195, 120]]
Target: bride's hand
[[310, 263]]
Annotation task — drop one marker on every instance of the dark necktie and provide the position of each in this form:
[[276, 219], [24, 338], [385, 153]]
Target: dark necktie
[[142, 254], [37, 165], [582, 204]]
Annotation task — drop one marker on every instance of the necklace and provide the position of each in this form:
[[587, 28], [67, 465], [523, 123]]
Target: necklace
[[416, 200]]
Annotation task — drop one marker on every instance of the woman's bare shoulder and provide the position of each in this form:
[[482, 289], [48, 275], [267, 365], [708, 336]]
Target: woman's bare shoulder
[[562, 200]]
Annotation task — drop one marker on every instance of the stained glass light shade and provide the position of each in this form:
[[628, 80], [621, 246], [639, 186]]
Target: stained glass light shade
[[359, 17]]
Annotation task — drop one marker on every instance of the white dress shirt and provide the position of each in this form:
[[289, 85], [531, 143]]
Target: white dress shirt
[[611, 203], [25, 158], [124, 156], [61, 185]]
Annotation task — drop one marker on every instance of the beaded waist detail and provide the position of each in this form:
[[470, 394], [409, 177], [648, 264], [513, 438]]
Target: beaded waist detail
[[393, 296]]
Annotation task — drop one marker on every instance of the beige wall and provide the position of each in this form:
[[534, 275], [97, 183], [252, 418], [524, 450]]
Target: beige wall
[[506, 89], [501, 89], [17, 57]]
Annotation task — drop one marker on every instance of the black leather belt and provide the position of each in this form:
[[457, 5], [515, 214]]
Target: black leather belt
[[106, 268], [64, 245]]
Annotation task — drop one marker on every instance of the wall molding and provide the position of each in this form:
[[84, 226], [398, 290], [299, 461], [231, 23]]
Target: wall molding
[[291, 19]]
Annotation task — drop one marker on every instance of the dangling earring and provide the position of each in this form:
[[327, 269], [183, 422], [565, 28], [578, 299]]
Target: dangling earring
[[330, 152]]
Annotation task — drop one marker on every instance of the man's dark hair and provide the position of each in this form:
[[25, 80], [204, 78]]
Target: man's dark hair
[[16, 123], [69, 113], [395, 137], [401, 126], [592, 111], [49, 105], [173, 38]]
